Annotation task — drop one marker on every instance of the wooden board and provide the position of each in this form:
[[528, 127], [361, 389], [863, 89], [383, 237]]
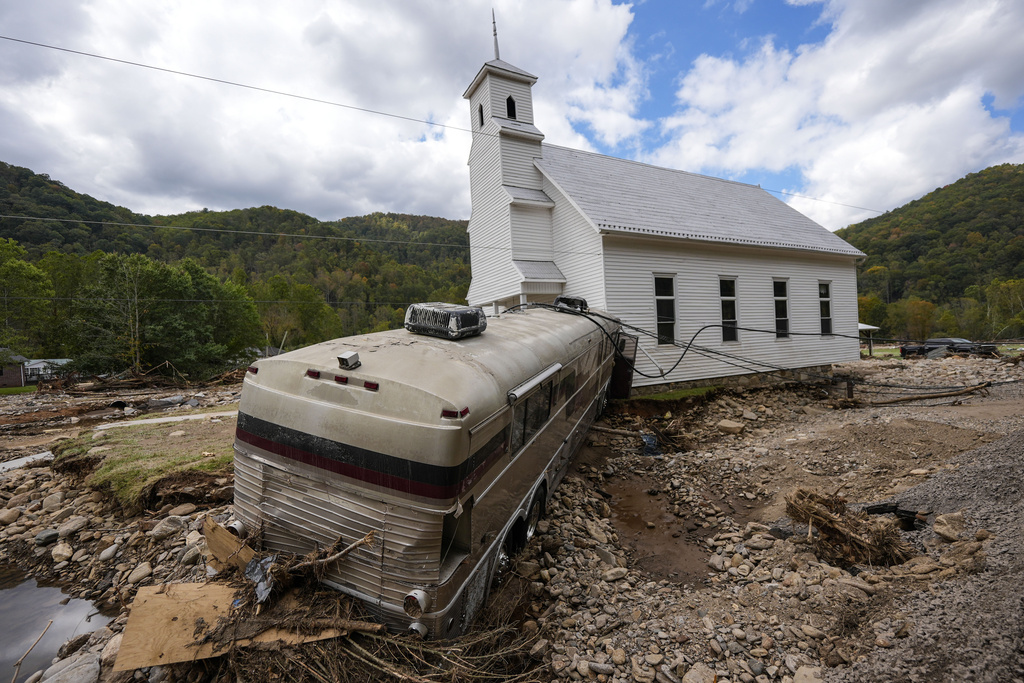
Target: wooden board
[[227, 548], [162, 627]]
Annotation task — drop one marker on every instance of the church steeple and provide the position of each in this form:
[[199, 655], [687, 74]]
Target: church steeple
[[494, 24]]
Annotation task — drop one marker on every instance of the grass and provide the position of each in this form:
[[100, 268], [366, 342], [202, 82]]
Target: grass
[[679, 394], [136, 458], [7, 391]]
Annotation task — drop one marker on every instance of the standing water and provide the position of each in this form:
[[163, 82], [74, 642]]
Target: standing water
[[25, 608]]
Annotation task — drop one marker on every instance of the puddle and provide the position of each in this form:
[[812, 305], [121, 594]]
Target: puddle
[[669, 550], [21, 462], [673, 549], [25, 608]]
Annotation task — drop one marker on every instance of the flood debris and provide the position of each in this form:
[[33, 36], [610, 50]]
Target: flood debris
[[846, 537]]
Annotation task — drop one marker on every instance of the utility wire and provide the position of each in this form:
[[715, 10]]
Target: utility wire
[[279, 234], [317, 100]]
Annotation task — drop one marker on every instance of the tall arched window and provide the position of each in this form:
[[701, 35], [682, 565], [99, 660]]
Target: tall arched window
[[480, 112], [510, 107]]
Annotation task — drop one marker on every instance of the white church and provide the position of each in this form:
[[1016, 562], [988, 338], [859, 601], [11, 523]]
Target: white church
[[665, 250]]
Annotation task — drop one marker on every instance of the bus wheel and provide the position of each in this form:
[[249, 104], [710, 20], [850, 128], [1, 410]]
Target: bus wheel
[[502, 565], [535, 514]]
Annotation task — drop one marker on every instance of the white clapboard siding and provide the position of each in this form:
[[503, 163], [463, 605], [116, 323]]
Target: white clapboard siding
[[499, 92], [531, 233], [490, 241], [576, 245], [631, 265], [517, 156]]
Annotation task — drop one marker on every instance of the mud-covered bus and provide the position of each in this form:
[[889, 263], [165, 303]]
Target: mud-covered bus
[[445, 439]]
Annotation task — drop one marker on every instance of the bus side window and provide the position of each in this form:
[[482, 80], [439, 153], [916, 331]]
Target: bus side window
[[566, 388], [530, 415], [538, 409]]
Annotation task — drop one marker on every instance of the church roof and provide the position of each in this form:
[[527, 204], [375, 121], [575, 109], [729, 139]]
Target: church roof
[[501, 68], [629, 197]]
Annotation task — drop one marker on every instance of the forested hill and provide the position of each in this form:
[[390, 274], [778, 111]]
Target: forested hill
[[955, 250], [309, 280]]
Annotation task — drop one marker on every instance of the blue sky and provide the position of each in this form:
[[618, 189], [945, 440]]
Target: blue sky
[[854, 103]]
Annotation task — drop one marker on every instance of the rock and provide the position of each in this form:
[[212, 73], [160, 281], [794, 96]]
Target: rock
[[9, 516], [72, 526], [539, 649], [699, 673], [53, 501], [183, 510], [717, 562], [812, 632], [807, 674], [177, 434], [601, 669], [143, 571], [618, 656], [62, 552], [81, 668], [168, 526], [654, 659], [949, 527], [19, 500], [108, 553], [46, 537], [760, 543], [615, 574], [595, 532], [730, 427], [110, 651]]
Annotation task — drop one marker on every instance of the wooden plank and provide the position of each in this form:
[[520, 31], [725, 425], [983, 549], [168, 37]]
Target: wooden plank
[[164, 626], [227, 548]]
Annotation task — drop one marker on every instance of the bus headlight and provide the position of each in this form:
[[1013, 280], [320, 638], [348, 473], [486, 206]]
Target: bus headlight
[[416, 603]]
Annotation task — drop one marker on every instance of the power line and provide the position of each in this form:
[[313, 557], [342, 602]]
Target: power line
[[259, 233], [330, 103]]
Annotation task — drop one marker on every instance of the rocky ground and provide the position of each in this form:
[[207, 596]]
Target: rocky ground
[[670, 560]]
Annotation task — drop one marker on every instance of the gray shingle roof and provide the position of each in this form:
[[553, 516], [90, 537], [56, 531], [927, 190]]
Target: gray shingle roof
[[526, 195], [618, 195], [546, 271]]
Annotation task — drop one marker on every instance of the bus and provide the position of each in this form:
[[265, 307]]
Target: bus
[[445, 439]]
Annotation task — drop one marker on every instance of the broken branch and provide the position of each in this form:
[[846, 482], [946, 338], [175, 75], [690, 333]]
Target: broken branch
[[365, 540]]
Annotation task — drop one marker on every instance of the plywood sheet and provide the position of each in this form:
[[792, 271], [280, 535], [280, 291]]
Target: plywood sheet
[[227, 548], [166, 622]]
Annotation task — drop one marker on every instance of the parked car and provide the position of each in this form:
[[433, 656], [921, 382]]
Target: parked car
[[951, 344]]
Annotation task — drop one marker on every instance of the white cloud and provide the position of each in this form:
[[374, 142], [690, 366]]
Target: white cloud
[[886, 108], [164, 143]]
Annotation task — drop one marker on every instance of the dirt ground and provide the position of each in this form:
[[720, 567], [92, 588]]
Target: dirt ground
[[669, 504]]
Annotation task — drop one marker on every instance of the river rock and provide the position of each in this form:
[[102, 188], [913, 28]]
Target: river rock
[[949, 527], [615, 574], [730, 427], [46, 537], [9, 516], [807, 674], [110, 650], [109, 552], [183, 510], [699, 673], [81, 668], [143, 571], [53, 501], [62, 552], [168, 526], [72, 526]]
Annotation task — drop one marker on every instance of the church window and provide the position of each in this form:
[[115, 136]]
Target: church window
[[510, 107]]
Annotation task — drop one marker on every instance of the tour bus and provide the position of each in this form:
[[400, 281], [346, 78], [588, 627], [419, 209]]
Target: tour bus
[[445, 439]]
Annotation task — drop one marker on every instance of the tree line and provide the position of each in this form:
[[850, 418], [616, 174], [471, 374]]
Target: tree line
[[948, 264], [204, 289]]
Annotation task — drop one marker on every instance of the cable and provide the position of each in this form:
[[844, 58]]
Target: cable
[[317, 100], [281, 234]]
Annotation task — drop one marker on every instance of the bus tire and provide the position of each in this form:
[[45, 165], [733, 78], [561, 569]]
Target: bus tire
[[535, 513]]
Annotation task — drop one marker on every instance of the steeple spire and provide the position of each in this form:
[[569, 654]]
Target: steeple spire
[[495, 25]]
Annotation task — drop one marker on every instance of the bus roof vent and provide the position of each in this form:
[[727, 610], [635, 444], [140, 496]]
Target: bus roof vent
[[448, 321], [574, 302]]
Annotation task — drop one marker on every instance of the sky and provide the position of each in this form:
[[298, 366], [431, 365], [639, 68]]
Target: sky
[[842, 108]]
